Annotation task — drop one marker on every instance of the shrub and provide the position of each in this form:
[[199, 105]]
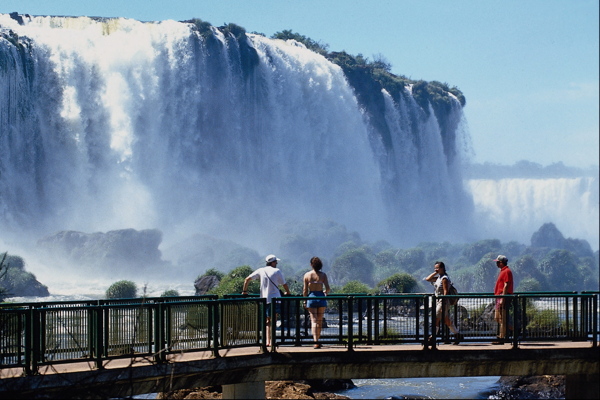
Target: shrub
[[233, 282], [122, 290], [355, 287], [398, 283], [170, 293]]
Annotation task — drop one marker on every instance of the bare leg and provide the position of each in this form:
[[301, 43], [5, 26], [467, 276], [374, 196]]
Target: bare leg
[[319, 322], [268, 321]]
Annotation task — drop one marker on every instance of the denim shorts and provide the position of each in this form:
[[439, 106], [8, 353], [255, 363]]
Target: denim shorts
[[316, 303]]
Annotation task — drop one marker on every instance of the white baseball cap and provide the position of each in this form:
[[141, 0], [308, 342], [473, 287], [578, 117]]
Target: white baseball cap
[[270, 258]]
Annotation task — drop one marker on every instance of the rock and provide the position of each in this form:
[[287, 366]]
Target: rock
[[205, 283], [273, 390], [113, 251], [532, 387], [15, 281]]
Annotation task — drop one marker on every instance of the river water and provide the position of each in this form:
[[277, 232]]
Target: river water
[[478, 387]]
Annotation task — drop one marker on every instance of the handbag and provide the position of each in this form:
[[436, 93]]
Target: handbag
[[452, 291]]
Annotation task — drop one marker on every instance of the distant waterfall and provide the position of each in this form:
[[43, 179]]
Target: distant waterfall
[[512, 209], [110, 124]]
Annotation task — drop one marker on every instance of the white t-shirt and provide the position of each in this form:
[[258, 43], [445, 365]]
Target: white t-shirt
[[268, 290]]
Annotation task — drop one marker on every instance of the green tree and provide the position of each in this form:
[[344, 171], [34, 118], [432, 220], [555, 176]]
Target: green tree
[[353, 287], [398, 283], [561, 267], [122, 290], [476, 251], [485, 273], [529, 285], [385, 264], [16, 281], [170, 293], [287, 34], [352, 265], [526, 267], [233, 282], [411, 259]]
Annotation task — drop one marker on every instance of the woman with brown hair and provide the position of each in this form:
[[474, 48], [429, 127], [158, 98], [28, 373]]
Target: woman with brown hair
[[316, 285]]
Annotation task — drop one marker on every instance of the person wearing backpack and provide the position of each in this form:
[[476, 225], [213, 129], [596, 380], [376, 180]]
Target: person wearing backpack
[[441, 282]]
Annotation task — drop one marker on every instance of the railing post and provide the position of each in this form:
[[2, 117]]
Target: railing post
[[98, 335], [35, 340], [595, 320], [273, 323], [214, 315], [373, 319], [298, 307], [28, 336], [161, 327], [350, 323], [514, 301], [433, 307]]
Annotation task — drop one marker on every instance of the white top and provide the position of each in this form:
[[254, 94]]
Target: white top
[[267, 288], [439, 289]]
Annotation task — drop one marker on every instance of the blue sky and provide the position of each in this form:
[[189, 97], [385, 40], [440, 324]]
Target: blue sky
[[529, 69]]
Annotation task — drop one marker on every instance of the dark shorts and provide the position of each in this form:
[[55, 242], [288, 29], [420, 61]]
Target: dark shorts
[[316, 303], [277, 308]]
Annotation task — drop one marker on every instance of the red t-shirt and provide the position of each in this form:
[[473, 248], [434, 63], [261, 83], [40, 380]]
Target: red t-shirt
[[505, 275]]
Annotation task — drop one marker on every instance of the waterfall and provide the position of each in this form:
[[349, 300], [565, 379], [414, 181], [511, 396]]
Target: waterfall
[[511, 209], [114, 123]]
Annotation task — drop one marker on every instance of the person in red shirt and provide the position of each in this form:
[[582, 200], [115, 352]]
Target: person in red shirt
[[504, 286]]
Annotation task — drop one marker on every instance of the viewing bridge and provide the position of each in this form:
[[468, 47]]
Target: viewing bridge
[[121, 348]]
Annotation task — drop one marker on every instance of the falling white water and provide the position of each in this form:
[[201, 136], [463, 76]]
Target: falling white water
[[147, 125], [513, 209]]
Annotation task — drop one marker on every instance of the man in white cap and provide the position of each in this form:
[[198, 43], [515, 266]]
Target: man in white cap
[[271, 278], [504, 286]]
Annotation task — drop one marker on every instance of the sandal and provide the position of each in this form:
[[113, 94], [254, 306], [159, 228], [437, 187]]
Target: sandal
[[318, 346]]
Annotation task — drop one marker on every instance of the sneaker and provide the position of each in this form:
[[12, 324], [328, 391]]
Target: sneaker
[[458, 338], [498, 341]]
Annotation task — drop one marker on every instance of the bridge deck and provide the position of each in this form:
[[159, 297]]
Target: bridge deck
[[290, 349]]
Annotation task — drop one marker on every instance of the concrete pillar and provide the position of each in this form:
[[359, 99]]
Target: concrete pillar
[[249, 390], [582, 386]]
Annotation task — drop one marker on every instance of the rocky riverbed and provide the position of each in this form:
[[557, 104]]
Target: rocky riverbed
[[314, 389], [513, 387]]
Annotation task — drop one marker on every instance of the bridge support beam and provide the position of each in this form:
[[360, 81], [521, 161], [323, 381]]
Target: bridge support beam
[[582, 386], [249, 390]]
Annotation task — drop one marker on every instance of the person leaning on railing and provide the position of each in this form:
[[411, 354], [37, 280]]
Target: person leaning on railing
[[271, 278], [316, 286]]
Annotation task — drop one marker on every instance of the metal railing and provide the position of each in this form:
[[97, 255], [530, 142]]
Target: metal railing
[[37, 334]]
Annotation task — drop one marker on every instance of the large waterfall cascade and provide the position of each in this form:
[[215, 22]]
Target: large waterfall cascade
[[110, 124]]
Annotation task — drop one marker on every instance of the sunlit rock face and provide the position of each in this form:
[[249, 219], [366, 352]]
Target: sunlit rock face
[[110, 124]]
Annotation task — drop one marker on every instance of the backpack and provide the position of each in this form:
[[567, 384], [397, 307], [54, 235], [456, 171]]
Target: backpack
[[452, 291]]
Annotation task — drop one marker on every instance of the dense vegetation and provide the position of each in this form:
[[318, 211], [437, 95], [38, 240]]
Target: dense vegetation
[[16, 281], [550, 263]]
